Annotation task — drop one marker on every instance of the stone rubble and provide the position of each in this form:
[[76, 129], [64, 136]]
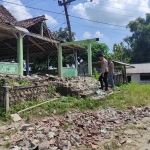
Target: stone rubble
[[75, 130], [76, 86]]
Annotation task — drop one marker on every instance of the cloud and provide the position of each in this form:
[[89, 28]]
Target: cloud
[[98, 34], [87, 35], [50, 20], [113, 12], [19, 12]]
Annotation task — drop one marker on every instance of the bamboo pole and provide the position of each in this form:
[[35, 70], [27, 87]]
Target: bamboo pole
[[37, 105]]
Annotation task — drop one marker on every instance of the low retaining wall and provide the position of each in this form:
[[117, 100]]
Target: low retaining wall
[[14, 95]]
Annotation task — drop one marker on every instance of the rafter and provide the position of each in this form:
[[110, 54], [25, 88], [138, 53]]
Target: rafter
[[34, 42]]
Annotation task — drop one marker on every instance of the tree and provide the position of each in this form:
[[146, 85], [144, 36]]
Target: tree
[[63, 34], [139, 42], [121, 52], [96, 48]]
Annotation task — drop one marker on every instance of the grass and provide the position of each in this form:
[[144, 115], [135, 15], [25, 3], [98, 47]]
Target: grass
[[130, 95], [24, 82], [7, 144], [62, 106]]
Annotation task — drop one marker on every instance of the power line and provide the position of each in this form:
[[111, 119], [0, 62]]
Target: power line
[[28, 1], [109, 12], [37, 2], [64, 14], [96, 21], [57, 26], [97, 28]]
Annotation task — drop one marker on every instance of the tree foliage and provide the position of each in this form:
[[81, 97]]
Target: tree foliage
[[63, 34], [139, 42], [96, 48], [121, 52]]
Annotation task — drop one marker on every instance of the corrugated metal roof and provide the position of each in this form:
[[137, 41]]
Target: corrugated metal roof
[[116, 63], [139, 68]]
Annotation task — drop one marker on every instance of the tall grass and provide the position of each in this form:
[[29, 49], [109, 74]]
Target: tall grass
[[131, 95]]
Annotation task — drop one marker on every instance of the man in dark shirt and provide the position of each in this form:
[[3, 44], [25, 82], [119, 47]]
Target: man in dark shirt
[[111, 72]]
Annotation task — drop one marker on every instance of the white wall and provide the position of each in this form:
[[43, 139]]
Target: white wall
[[135, 77]]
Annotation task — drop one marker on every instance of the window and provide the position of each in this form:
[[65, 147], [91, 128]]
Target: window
[[144, 77], [129, 78]]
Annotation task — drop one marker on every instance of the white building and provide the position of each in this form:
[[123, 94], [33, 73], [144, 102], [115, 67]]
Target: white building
[[139, 74]]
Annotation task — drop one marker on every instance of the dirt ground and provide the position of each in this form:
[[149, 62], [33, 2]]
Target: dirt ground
[[133, 137], [130, 137]]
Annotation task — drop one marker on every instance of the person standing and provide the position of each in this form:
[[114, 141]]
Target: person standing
[[111, 72], [104, 75]]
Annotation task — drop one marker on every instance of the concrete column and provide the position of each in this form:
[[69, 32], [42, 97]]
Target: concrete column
[[20, 53], [6, 99], [76, 59], [27, 57], [60, 61], [89, 60], [41, 29]]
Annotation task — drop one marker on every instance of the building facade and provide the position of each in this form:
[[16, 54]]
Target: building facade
[[140, 73]]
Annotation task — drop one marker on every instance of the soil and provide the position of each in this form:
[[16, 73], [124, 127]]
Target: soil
[[130, 137]]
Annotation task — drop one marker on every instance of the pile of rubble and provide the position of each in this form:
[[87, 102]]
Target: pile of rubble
[[75, 86], [75, 130]]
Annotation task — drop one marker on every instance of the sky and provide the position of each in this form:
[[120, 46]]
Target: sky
[[103, 19]]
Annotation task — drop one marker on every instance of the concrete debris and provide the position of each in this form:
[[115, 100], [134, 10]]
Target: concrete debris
[[75, 86], [15, 117], [87, 128]]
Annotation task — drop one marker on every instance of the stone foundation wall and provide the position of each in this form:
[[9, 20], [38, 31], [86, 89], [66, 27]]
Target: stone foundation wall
[[22, 94], [14, 95]]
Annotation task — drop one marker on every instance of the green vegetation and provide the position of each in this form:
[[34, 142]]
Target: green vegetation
[[95, 74], [96, 48], [24, 105], [11, 82], [4, 116], [131, 95], [25, 82], [8, 144], [52, 90], [1, 82], [138, 43], [127, 95]]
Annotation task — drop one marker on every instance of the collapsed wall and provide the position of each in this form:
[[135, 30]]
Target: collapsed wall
[[16, 89]]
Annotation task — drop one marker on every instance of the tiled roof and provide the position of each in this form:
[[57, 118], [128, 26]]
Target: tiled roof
[[30, 22], [6, 17]]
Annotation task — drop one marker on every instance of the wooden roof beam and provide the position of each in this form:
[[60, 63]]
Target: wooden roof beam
[[34, 42]]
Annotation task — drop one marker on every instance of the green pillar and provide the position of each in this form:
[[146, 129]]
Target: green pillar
[[89, 60], [20, 54], [27, 56], [41, 30], [60, 61]]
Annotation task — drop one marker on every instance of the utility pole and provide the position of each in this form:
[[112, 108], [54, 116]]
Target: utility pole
[[65, 3]]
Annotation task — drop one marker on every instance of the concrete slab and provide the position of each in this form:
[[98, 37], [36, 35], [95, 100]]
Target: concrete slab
[[15, 117]]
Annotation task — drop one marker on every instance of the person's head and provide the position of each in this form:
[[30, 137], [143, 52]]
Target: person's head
[[101, 57], [109, 60]]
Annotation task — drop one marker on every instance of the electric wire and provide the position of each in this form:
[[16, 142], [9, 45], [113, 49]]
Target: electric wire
[[64, 14]]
